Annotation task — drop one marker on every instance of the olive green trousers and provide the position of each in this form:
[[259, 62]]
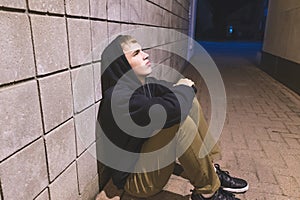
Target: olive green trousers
[[183, 142]]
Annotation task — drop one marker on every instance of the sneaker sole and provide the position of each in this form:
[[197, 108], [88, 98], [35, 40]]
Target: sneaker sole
[[237, 190]]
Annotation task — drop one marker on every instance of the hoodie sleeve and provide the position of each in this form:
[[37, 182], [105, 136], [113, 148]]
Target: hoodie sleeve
[[177, 102]]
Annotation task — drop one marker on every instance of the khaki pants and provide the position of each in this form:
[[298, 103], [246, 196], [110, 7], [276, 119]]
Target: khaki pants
[[199, 171]]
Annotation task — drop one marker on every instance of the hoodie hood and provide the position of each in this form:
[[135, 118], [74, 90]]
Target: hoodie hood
[[114, 65]]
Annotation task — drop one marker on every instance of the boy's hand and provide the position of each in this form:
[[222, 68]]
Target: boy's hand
[[185, 81]]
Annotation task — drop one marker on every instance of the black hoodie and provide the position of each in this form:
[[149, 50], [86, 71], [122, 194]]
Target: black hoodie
[[131, 100]]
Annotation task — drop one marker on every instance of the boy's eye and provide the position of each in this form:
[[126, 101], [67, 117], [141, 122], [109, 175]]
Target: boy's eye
[[136, 52]]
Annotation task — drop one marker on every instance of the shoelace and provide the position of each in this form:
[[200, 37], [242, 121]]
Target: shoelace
[[217, 166]]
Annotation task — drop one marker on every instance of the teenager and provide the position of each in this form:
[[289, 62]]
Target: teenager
[[128, 89]]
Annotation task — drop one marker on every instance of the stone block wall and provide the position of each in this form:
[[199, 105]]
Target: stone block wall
[[50, 87], [280, 56]]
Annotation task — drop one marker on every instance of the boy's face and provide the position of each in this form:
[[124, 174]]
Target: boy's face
[[137, 59]]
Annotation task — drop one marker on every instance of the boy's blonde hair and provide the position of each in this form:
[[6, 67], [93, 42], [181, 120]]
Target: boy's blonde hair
[[126, 41]]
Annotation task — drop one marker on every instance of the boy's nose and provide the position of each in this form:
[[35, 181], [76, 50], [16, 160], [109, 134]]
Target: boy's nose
[[145, 55]]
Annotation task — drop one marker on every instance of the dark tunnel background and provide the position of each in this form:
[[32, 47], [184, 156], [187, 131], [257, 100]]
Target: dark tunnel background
[[242, 20]]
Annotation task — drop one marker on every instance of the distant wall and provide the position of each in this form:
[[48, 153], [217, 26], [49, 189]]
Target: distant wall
[[281, 50], [50, 88]]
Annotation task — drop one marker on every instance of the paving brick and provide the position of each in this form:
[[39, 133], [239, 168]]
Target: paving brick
[[50, 43], [265, 174], [56, 97], [98, 9], [245, 161], [61, 148], [114, 10], [293, 128], [24, 175], [79, 41], [254, 195], [273, 155], [16, 60], [20, 113], [97, 81], [293, 143], [78, 7], [85, 129], [267, 188], [52, 6], [43, 196], [278, 197], [275, 135], [239, 139], [83, 87], [87, 168], [13, 4], [99, 38], [293, 164], [262, 133], [176, 185], [65, 186], [289, 186]]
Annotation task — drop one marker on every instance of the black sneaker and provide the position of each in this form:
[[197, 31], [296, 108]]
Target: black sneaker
[[219, 195], [231, 184]]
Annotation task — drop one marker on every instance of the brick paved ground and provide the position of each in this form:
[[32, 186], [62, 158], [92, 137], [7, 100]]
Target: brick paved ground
[[261, 137]]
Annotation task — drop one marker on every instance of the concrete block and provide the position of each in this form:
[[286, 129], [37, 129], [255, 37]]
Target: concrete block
[[65, 186], [78, 7], [131, 11], [13, 4], [16, 60], [61, 148], [91, 190], [292, 51], [166, 18], [282, 6], [99, 38], [52, 6], [50, 43], [97, 110], [85, 129], [80, 41], [186, 4], [125, 10], [87, 168], [167, 4], [130, 29], [114, 10], [20, 116], [146, 10], [83, 87], [43, 196], [114, 29], [98, 9], [176, 7], [24, 175], [97, 81], [56, 96]]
